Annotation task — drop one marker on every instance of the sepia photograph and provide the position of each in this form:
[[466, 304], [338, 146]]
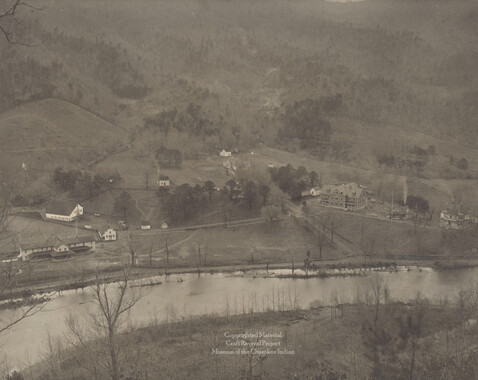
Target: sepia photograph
[[239, 189]]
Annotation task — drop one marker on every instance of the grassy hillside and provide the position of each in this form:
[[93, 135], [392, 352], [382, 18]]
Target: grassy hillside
[[52, 132]]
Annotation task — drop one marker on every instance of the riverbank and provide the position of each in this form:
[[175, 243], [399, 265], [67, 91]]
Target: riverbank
[[326, 342], [324, 268]]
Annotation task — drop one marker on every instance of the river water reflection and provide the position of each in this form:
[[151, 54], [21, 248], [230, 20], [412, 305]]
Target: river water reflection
[[183, 296]]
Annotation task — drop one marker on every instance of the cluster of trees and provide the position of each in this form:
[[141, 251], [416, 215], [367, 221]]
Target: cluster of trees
[[293, 181], [422, 153], [123, 204], [417, 157], [24, 79], [192, 119], [392, 161], [195, 127], [185, 201], [418, 204], [110, 64], [461, 163], [80, 184], [304, 121], [423, 340]]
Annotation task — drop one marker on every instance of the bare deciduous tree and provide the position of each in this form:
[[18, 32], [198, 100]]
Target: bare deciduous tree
[[319, 227], [97, 336], [150, 250], [252, 243], [166, 241], [11, 24], [379, 293], [335, 222], [368, 245], [226, 210], [131, 247], [412, 330], [202, 245]]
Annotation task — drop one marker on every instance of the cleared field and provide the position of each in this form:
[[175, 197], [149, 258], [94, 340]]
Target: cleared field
[[53, 132], [271, 242]]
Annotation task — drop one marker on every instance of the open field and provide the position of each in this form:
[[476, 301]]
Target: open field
[[270, 242], [53, 132]]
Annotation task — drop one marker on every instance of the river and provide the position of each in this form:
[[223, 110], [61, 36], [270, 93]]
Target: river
[[183, 296]]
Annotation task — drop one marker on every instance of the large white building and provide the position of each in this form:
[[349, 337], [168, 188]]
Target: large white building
[[63, 210]]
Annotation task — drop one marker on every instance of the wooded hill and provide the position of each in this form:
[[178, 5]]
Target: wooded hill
[[237, 72]]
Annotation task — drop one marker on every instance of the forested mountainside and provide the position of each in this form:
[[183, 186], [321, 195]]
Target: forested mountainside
[[302, 75]]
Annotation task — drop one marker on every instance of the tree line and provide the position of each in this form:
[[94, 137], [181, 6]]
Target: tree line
[[81, 184], [294, 181]]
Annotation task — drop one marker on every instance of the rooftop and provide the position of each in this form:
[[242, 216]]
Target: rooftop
[[348, 189], [52, 242], [45, 244], [79, 239]]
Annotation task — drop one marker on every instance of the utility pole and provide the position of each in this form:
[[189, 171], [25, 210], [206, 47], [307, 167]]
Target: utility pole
[[393, 194], [361, 235], [76, 224], [147, 180]]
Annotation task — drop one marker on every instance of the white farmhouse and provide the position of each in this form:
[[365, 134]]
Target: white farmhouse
[[163, 181], [225, 153], [63, 210], [107, 234]]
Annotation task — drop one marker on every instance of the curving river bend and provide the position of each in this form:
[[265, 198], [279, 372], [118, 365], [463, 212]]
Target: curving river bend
[[221, 294]]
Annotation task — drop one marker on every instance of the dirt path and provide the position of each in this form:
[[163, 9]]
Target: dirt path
[[178, 243]]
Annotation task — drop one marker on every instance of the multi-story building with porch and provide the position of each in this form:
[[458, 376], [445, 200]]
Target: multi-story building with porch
[[349, 196]]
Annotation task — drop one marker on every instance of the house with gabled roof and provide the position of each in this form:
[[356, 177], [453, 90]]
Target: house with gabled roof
[[37, 249], [65, 211], [163, 181], [55, 247], [145, 225]]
